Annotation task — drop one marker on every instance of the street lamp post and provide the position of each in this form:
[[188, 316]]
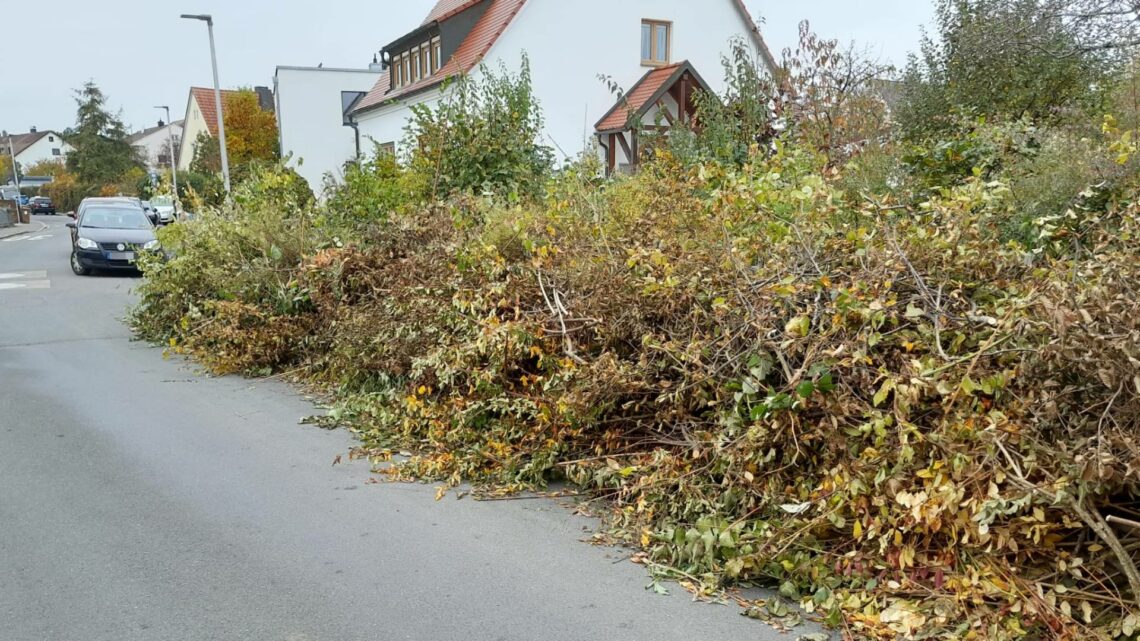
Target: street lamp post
[[15, 169], [170, 139], [209, 20]]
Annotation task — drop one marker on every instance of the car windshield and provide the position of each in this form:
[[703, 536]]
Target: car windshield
[[162, 201], [115, 218]]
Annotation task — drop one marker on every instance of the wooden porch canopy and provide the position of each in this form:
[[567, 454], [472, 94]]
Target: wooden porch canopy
[[670, 89]]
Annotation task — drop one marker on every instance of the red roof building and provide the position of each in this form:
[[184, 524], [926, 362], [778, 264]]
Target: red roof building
[[577, 52]]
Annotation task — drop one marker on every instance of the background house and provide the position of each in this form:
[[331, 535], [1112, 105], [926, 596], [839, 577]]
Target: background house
[[571, 46], [153, 144], [201, 117], [36, 146], [310, 125]]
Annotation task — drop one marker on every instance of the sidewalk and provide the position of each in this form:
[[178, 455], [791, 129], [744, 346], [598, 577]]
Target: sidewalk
[[19, 228]]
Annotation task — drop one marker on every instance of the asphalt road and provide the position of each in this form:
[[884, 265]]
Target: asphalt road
[[141, 500]]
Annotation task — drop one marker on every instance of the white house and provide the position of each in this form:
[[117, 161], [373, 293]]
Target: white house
[[310, 107], [154, 143], [658, 51], [201, 116], [36, 146]]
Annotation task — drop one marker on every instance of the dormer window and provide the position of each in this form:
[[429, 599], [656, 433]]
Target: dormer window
[[417, 63], [656, 42]]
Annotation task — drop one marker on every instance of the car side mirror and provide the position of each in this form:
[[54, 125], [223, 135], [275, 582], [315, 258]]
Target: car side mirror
[[71, 214], [71, 224]]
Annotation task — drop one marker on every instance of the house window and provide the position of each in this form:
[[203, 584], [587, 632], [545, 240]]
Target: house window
[[417, 70], [55, 151], [51, 138], [388, 149], [406, 67], [436, 54], [656, 42]]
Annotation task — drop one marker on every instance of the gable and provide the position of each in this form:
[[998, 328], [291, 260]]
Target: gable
[[650, 89], [468, 54], [203, 98]]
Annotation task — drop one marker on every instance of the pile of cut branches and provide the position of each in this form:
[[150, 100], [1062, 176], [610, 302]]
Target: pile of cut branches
[[907, 426]]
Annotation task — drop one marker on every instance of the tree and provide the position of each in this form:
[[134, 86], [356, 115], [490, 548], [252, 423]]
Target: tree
[[251, 136], [1013, 59], [46, 168], [485, 136], [5, 164], [102, 154], [831, 96]]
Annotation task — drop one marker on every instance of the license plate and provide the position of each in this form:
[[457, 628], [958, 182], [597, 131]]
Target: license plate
[[120, 255]]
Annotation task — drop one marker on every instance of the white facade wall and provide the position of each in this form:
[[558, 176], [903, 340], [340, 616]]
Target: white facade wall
[[385, 125], [192, 125], [50, 147], [309, 119], [156, 143], [571, 44]]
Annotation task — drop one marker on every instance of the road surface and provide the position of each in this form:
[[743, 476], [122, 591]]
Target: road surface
[[141, 500]]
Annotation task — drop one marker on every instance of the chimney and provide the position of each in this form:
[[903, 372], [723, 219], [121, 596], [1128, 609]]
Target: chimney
[[375, 65], [33, 130], [265, 99], [160, 123]]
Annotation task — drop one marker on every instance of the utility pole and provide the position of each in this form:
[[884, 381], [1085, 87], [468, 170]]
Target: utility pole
[[209, 20], [173, 160]]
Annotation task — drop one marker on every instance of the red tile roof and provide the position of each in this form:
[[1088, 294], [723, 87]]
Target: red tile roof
[[631, 103], [645, 93], [205, 99], [469, 54], [444, 9]]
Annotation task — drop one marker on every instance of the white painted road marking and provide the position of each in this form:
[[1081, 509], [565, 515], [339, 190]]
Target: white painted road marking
[[24, 280], [16, 238]]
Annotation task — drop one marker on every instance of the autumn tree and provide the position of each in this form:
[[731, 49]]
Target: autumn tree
[[832, 95], [102, 153], [5, 164], [251, 136]]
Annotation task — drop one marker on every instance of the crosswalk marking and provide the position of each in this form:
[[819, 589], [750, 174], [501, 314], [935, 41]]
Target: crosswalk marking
[[31, 238]]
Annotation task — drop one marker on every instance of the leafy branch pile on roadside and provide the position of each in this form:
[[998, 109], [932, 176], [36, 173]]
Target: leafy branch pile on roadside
[[912, 428]]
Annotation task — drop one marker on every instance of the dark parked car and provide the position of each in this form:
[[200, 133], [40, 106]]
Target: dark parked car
[[110, 233], [41, 205]]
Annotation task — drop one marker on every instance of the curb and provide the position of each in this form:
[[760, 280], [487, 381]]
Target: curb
[[43, 226]]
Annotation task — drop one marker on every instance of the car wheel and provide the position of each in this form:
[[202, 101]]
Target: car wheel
[[78, 267]]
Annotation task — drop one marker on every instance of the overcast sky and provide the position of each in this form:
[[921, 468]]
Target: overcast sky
[[141, 54]]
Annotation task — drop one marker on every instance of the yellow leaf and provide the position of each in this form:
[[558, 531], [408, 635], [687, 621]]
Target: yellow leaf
[[858, 530]]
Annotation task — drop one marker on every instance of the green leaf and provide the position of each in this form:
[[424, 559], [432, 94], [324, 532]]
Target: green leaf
[[805, 389], [884, 391], [825, 383]]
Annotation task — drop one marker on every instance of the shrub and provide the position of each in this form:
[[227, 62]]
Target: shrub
[[372, 191], [482, 137]]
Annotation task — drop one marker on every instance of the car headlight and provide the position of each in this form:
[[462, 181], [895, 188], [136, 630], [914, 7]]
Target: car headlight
[[87, 243], [152, 245]]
